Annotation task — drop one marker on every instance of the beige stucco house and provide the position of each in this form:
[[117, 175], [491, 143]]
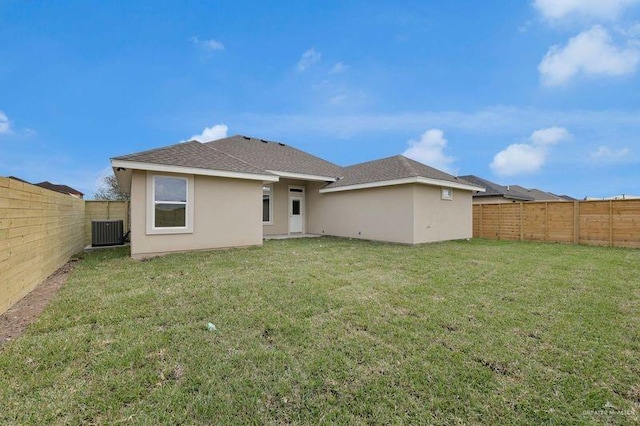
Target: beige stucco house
[[235, 191]]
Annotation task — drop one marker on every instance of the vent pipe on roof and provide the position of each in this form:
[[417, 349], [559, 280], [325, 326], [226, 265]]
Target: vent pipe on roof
[[280, 143], [264, 141], [247, 137]]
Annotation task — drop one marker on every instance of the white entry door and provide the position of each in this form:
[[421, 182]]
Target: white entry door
[[296, 210]]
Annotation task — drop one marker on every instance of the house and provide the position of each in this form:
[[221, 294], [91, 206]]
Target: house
[[234, 191], [539, 195], [64, 189], [495, 193], [499, 194]]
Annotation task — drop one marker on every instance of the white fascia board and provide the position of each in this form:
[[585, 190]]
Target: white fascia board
[[302, 176], [191, 171], [404, 181], [448, 184]]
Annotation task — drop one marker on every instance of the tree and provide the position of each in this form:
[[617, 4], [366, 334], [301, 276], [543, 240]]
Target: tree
[[109, 190]]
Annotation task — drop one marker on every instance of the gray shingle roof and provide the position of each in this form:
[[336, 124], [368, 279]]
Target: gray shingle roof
[[537, 194], [493, 189], [390, 168], [275, 156], [193, 154]]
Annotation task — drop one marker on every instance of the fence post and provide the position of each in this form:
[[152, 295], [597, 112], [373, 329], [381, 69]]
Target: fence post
[[480, 217], [610, 223], [521, 221], [576, 222], [546, 221]]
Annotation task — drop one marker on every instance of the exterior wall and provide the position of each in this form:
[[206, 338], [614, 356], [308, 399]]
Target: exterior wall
[[382, 214], [280, 199], [436, 219], [227, 213], [39, 231], [104, 210]]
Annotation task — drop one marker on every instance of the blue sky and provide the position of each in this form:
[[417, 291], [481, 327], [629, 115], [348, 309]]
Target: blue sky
[[541, 93]]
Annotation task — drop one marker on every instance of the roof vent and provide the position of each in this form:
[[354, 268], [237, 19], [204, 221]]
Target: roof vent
[[264, 141], [247, 137], [280, 143]]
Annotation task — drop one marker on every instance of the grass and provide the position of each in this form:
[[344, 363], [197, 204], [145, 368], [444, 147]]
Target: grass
[[337, 331]]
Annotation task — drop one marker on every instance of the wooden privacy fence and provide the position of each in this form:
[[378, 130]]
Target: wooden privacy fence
[[40, 230], [614, 223]]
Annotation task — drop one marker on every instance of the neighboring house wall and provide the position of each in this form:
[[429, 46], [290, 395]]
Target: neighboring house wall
[[280, 207], [438, 219], [39, 231], [383, 214], [227, 213]]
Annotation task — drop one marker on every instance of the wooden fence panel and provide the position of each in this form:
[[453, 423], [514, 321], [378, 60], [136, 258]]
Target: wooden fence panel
[[39, 231], [560, 225], [534, 221], [602, 223], [625, 223], [595, 223]]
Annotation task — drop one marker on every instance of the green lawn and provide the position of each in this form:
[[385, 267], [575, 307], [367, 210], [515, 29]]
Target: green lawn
[[337, 331]]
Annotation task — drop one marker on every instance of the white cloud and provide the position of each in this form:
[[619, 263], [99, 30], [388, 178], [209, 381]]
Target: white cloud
[[429, 149], [5, 124], [601, 9], [524, 158], [549, 136], [209, 45], [604, 154], [339, 68], [590, 53], [212, 133], [307, 59]]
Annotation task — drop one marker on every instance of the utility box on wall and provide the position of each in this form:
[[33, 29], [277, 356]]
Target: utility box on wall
[[107, 233]]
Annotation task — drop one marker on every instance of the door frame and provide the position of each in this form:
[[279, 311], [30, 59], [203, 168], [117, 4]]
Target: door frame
[[297, 194]]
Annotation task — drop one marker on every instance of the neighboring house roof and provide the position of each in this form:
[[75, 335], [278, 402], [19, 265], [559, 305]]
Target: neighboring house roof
[[19, 180], [537, 194], [59, 188], [496, 190], [277, 157], [189, 157], [394, 170]]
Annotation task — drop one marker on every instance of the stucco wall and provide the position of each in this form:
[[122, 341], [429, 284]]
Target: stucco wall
[[436, 219], [280, 200], [228, 213], [382, 214]]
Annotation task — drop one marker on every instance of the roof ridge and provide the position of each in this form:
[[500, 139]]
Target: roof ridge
[[278, 142], [234, 157], [409, 163]]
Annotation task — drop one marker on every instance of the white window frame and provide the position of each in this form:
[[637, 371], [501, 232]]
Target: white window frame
[[447, 194], [151, 204], [270, 186]]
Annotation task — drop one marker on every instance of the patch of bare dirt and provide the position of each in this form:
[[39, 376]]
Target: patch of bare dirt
[[14, 322]]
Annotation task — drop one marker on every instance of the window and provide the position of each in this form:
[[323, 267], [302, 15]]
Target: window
[[267, 203], [170, 204], [447, 194], [295, 207]]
